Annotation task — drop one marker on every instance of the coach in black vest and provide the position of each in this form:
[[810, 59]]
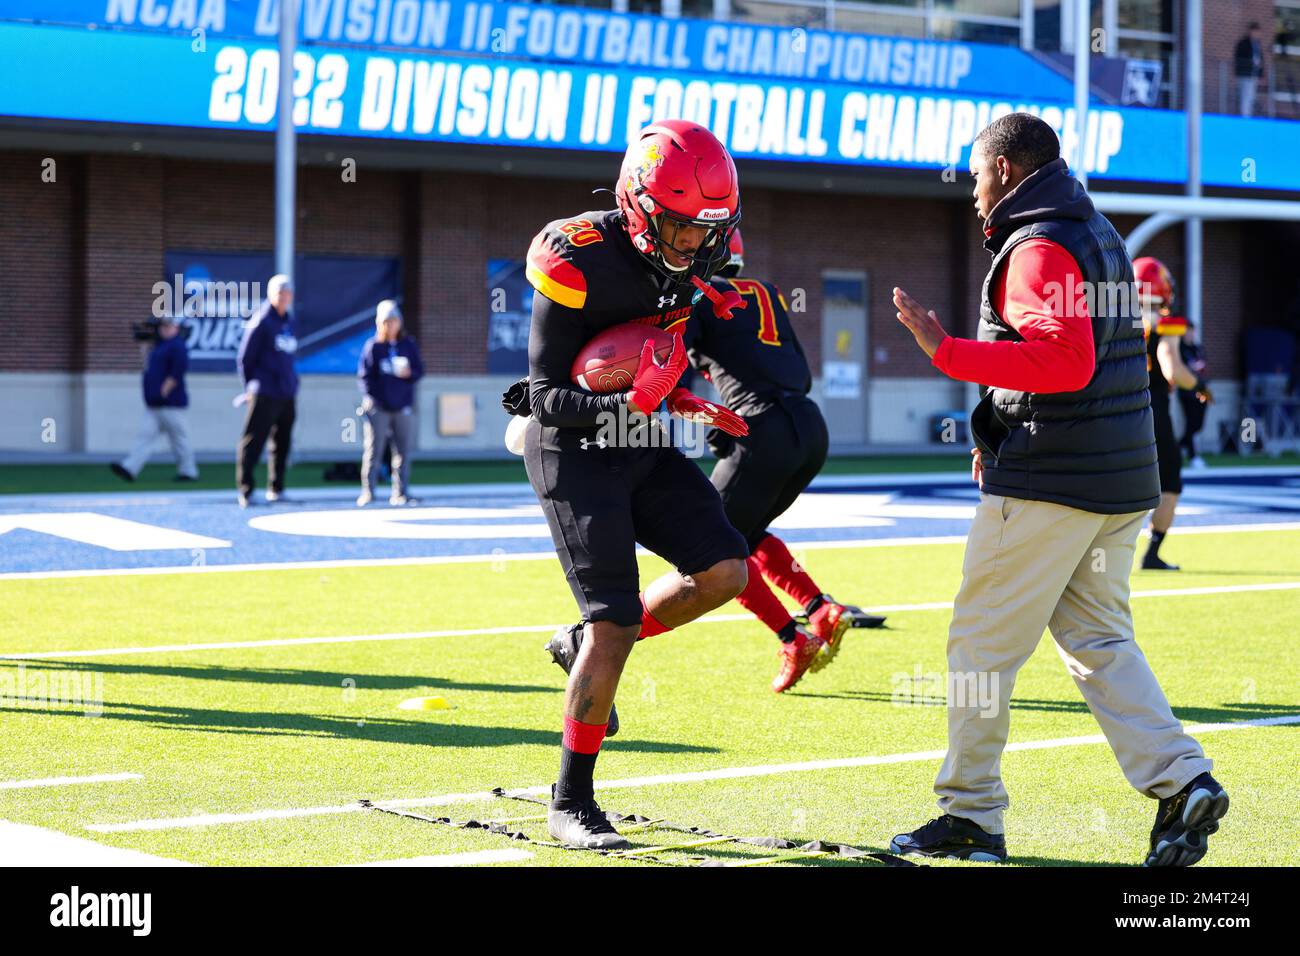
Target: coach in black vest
[[1066, 461]]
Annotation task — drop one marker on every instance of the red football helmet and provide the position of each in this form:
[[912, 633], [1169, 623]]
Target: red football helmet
[[677, 174], [733, 265], [1154, 281]]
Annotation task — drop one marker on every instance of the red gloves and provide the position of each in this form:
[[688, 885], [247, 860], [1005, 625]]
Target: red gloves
[[723, 302], [691, 407], [653, 382]]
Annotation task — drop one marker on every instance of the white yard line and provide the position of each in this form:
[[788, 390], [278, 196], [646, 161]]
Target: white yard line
[[724, 773], [25, 845], [66, 781], [503, 558], [543, 628], [474, 858]]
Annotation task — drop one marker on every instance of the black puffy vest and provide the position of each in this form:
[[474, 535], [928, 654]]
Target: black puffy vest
[[1092, 449]]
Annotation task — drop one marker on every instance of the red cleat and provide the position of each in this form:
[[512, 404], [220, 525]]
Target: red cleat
[[796, 658], [828, 622]]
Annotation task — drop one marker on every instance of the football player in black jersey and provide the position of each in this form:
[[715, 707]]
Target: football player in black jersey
[[646, 261], [1168, 371], [758, 366]]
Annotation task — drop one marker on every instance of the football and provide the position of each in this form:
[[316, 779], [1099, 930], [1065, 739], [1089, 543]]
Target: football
[[609, 361]]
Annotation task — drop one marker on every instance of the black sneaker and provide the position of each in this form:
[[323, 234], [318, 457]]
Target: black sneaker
[[583, 824], [1185, 821], [185, 478], [955, 838], [860, 618], [121, 472], [563, 646], [1153, 562]]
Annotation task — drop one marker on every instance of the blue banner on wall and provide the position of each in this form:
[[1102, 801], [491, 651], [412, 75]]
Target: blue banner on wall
[[510, 316], [113, 76], [560, 34], [333, 309]]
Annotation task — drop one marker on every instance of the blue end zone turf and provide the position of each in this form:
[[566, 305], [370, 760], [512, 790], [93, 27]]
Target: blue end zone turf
[[52, 533]]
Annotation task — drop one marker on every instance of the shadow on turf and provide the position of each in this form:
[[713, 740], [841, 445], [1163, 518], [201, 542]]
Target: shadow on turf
[[1200, 715], [277, 675], [380, 730]]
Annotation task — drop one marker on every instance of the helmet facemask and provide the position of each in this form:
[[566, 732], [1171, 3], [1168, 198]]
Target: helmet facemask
[[710, 256]]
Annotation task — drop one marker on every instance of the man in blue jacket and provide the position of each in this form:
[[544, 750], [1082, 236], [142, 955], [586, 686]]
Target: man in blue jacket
[[165, 402], [265, 361], [389, 368]]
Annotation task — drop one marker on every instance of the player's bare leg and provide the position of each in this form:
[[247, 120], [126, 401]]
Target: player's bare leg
[[1162, 518], [596, 671], [676, 599]]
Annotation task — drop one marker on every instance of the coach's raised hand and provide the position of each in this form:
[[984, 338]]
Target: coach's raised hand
[[653, 382], [923, 324], [688, 405]]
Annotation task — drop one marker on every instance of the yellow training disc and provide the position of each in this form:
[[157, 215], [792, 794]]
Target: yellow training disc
[[425, 703]]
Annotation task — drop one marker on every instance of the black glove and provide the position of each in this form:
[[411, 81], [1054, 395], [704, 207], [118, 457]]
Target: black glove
[[515, 399], [720, 443]]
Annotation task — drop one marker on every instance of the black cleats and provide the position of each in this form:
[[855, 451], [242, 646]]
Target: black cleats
[[1185, 821], [563, 646], [582, 824], [860, 618], [1153, 562], [954, 838], [121, 472]]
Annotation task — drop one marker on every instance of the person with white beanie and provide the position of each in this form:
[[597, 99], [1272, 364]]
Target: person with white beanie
[[389, 368]]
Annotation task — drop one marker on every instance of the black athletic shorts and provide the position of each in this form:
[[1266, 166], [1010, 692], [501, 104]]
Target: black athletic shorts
[[1168, 452], [759, 476], [601, 502]]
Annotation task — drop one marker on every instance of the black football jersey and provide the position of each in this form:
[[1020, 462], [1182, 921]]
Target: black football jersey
[[1165, 326], [589, 264], [754, 357], [589, 277]]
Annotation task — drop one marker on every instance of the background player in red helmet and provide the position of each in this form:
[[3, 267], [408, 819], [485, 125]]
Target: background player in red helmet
[[755, 360], [678, 202], [1168, 371]]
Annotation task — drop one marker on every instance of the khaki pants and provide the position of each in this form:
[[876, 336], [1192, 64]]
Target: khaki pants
[[1030, 566], [163, 421]]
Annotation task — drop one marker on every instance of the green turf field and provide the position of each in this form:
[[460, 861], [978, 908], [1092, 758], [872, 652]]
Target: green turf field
[[250, 729], [82, 479]]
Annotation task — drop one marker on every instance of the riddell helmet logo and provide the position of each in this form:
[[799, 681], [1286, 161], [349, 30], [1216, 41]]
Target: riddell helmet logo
[[714, 215]]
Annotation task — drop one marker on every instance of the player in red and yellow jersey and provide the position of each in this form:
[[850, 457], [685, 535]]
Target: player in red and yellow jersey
[[1168, 371], [755, 360], [646, 261]]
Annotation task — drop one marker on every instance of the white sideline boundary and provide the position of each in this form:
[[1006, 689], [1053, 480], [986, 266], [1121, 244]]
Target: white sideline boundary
[[539, 556], [24, 845], [543, 628], [698, 776], [66, 781]]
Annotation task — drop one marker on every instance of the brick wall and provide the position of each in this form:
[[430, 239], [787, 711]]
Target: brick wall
[[790, 239], [124, 247], [37, 263], [136, 207]]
